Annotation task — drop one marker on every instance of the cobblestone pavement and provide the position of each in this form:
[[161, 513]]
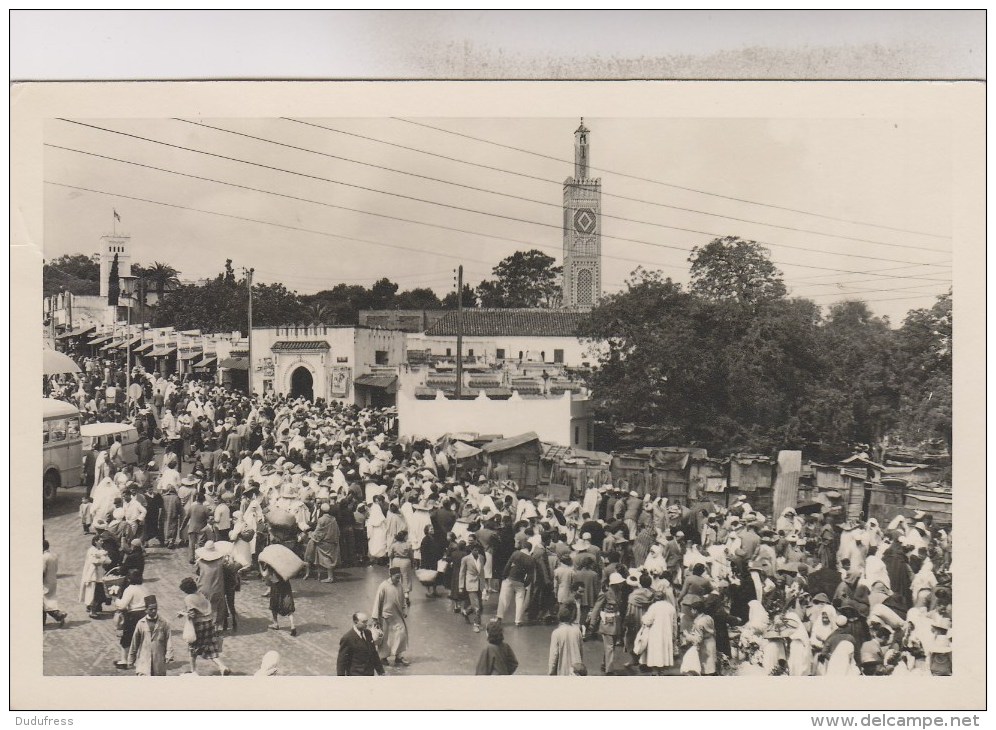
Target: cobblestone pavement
[[441, 642]]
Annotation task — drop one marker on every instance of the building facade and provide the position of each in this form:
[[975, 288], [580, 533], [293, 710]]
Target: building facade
[[582, 228], [348, 364], [496, 336]]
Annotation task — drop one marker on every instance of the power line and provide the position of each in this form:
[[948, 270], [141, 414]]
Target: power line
[[354, 210], [939, 264], [869, 291], [672, 185], [262, 222], [324, 233], [557, 205], [406, 197]]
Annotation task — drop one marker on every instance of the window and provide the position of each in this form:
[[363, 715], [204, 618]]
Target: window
[[500, 353], [380, 357], [45, 432], [543, 355], [585, 287], [57, 430], [470, 353], [449, 352], [520, 354], [577, 435], [558, 356]]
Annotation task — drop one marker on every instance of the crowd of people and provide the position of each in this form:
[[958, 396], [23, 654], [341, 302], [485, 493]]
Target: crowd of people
[[629, 583]]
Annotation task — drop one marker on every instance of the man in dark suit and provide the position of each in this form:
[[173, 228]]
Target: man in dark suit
[[358, 657]]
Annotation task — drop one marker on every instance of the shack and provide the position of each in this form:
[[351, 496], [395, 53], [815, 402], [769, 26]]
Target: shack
[[516, 458], [569, 469], [753, 476]]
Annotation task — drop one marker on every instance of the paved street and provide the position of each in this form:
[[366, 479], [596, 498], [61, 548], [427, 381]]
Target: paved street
[[441, 642]]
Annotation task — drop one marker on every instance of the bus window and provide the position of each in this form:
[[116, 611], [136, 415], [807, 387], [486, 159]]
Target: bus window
[[45, 432], [74, 427], [58, 430]]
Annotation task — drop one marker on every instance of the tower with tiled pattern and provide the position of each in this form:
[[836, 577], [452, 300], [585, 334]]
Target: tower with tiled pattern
[[582, 228]]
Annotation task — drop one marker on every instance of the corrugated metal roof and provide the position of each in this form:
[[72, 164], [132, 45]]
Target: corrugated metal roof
[[511, 442], [511, 322], [299, 345]]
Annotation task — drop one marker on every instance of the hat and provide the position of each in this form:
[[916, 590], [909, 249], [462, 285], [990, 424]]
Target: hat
[[188, 481], [395, 571], [633, 494], [821, 598], [209, 552], [919, 514], [137, 542], [150, 601], [615, 579], [920, 526]]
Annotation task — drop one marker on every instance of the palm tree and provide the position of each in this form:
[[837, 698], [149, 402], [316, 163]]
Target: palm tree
[[162, 276], [317, 313]]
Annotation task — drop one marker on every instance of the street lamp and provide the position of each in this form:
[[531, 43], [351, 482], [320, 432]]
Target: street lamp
[[127, 292]]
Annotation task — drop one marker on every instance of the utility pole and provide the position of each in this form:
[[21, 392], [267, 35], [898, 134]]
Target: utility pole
[[459, 362], [249, 371]]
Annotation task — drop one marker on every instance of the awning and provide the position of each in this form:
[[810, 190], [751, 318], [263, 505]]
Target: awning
[[141, 349], [133, 341], [76, 332], [206, 362], [388, 382], [185, 356], [162, 351], [109, 346], [235, 363], [100, 340]]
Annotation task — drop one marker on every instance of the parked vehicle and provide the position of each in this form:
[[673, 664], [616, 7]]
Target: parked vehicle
[[62, 448], [100, 436]]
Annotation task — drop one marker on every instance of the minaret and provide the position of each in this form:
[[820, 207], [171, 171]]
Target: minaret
[[109, 246], [582, 228]]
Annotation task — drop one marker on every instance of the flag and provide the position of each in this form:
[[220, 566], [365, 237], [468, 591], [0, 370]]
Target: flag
[[116, 216]]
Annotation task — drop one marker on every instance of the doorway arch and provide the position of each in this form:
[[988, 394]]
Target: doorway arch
[[302, 383]]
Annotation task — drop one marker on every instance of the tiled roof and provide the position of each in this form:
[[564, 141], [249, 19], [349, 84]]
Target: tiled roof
[[511, 322], [299, 345]]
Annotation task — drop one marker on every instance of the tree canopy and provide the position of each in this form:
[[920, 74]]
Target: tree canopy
[[524, 279], [733, 364]]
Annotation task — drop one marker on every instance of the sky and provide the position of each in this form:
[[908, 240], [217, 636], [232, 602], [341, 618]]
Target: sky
[[848, 208]]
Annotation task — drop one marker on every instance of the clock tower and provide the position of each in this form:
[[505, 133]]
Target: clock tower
[[582, 228]]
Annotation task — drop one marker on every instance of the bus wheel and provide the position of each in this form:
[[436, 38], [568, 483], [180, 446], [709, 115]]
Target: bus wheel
[[50, 486]]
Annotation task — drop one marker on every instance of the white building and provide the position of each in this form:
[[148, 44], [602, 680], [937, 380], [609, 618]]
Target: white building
[[349, 364], [496, 336]]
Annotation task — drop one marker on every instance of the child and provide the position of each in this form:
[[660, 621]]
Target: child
[[86, 514]]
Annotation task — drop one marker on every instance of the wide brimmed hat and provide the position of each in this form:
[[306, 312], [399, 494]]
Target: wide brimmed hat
[[615, 579], [209, 552]]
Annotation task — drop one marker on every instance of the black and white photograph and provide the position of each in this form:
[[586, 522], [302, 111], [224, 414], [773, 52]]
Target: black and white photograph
[[497, 396], [632, 384]]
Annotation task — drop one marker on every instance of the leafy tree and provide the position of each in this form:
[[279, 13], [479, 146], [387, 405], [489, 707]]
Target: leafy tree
[[273, 305], [113, 283], [731, 268], [75, 273], [924, 359], [469, 298], [524, 279], [419, 298]]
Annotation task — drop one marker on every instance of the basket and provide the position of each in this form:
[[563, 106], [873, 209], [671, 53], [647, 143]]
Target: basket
[[426, 577], [114, 583]]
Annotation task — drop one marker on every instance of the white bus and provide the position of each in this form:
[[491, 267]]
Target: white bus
[[62, 448]]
